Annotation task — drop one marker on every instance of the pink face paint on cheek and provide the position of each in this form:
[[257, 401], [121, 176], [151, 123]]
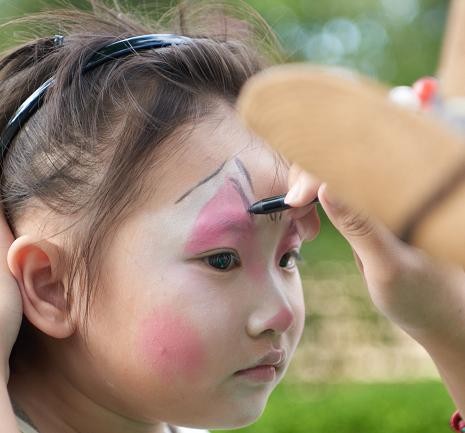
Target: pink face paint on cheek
[[223, 221], [171, 346]]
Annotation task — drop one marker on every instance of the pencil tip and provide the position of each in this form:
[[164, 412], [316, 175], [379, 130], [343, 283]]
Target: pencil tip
[[253, 208]]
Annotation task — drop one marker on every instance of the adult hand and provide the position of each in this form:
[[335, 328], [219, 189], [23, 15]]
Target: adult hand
[[11, 307], [303, 188], [424, 297]]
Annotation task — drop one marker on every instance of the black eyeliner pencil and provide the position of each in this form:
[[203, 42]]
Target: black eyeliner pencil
[[271, 205]]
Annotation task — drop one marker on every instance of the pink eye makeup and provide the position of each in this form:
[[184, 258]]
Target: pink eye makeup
[[223, 221], [224, 228]]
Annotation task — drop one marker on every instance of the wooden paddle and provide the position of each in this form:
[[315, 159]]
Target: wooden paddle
[[404, 168], [452, 60]]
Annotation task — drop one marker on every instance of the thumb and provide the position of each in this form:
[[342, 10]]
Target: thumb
[[372, 243]]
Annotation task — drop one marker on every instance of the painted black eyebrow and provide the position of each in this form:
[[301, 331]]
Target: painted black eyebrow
[[244, 171], [210, 176], [240, 191]]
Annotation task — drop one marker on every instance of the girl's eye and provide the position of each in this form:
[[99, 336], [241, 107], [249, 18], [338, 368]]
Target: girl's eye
[[223, 261], [290, 259]]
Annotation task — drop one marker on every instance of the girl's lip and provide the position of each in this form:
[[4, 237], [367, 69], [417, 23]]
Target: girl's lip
[[261, 373], [274, 358]]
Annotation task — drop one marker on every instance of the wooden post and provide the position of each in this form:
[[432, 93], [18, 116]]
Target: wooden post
[[451, 71]]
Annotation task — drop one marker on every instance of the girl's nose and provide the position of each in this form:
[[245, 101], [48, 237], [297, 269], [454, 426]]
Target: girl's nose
[[266, 320]]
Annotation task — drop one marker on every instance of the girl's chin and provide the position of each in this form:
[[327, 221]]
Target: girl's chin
[[236, 415], [233, 421], [240, 414]]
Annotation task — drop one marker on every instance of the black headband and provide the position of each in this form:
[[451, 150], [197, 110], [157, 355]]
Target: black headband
[[106, 54]]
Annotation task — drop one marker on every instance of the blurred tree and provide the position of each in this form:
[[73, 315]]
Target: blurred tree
[[393, 40]]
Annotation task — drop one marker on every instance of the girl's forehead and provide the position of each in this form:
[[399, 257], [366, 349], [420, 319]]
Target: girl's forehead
[[219, 149], [248, 175]]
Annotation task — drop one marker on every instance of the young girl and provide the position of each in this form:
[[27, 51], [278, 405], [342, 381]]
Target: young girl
[[152, 298]]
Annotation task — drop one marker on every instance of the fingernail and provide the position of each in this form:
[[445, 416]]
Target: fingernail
[[293, 194]]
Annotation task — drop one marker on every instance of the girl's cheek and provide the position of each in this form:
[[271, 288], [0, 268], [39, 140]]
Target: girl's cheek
[[171, 346]]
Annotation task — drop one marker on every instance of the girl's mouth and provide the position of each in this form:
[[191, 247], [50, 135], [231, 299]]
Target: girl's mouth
[[261, 373], [265, 370]]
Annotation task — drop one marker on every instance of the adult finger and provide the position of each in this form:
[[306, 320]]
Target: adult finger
[[376, 250], [303, 187]]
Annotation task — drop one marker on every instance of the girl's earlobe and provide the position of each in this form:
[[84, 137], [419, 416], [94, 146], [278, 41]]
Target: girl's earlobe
[[33, 263]]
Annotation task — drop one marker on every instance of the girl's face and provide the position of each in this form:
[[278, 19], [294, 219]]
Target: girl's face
[[197, 291]]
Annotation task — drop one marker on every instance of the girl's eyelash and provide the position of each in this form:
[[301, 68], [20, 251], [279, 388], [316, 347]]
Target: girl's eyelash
[[223, 261], [293, 254]]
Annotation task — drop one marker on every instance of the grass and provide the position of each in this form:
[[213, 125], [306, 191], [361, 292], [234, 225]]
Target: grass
[[328, 245], [421, 407]]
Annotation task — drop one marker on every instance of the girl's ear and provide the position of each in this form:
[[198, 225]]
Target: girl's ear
[[33, 262]]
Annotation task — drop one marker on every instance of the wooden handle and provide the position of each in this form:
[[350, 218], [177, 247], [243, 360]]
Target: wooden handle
[[451, 70], [381, 159]]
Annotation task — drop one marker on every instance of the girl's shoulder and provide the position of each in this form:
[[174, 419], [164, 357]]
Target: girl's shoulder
[[24, 423], [189, 430], [25, 427]]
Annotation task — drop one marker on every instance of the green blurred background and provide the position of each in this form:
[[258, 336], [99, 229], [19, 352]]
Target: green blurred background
[[353, 372]]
